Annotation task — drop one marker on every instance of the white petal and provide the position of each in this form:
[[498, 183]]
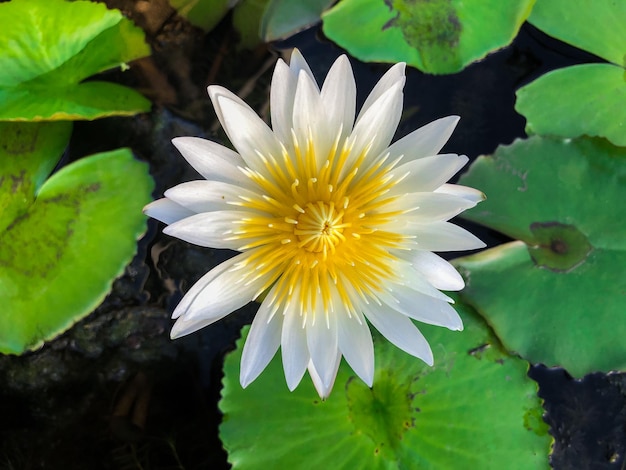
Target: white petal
[[407, 276], [422, 307], [295, 353], [248, 133], [355, 342], [428, 207], [167, 211], [211, 160], [225, 289], [321, 336], [262, 342], [443, 236], [425, 141], [339, 97], [216, 92], [323, 389], [465, 192], [205, 280], [395, 75], [211, 229], [398, 329], [282, 92], [436, 270], [208, 196], [297, 62], [309, 118], [376, 127], [427, 174]]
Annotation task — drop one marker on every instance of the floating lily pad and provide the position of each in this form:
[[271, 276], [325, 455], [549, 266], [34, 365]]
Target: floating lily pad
[[204, 14], [283, 18], [48, 47], [557, 298], [69, 236], [476, 408], [586, 99], [247, 17], [436, 36], [597, 27]]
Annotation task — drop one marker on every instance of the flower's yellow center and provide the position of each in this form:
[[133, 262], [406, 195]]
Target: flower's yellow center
[[320, 233], [320, 228]]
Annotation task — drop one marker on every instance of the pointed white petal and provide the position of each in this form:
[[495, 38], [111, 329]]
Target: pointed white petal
[[355, 342], [222, 290], [425, 141], [376, 127], [427, 174], [408, 277], [309, 118], [167, 211], [436, 270], [339, 96], [443, 236], [211, 229], [427, 207], [395, 75], [295, 353], [465, 192], [205, 280], [248, 133], [321, 335], [297, 63], [207, 196], [323, 390], [282, 92], [398, 329], [422, 307], [211, 160], [184, 326], [262, 342], [216, 92]]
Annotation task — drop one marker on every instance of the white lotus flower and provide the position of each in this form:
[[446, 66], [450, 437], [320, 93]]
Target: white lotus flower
[[336, 225]]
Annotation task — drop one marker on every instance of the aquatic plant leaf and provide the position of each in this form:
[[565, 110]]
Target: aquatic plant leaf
[[283, 18], [585, 99], [557, 296], [597, 27], [247, 17], [69, 238], [436, 36], [205, 14], [47, 49], [439, 417]]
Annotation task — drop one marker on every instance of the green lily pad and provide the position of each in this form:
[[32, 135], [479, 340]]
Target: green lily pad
[[205, 14], [476, 408], [585, 99], [247, 17], [558, 297], [436, 36], [552, 104], [69, 237], [283, 18], [48, 47], [597, 27]]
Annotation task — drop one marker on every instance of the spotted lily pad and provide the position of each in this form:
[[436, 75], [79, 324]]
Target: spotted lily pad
[[476, 408], [552, 104], [557, 296], [62, 240], [436, 36], [47, 49]]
